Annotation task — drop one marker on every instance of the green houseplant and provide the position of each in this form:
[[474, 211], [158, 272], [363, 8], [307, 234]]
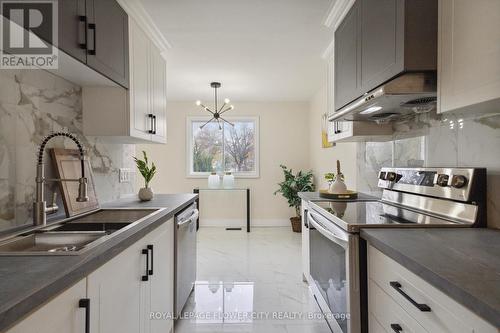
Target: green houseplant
[[147, 172], [290, 188]]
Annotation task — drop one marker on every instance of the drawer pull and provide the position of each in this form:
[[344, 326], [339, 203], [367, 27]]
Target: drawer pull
[[397, 328], [422, 307], [85, 304], [145, 277]]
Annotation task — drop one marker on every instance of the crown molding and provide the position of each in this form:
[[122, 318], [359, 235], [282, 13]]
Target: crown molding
[[337, 13], [137, 11]]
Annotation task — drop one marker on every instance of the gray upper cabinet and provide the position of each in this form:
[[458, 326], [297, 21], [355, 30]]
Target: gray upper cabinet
[[107, 39], [347, 58], [380, 39], [72, 28], [95, 32]]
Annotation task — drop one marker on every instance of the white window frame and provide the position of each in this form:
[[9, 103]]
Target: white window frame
[[189, 147]]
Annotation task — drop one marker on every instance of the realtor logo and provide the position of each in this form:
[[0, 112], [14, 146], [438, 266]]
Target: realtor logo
[[29, 33]]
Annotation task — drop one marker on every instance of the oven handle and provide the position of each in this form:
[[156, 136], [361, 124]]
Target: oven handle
[[330, 235]]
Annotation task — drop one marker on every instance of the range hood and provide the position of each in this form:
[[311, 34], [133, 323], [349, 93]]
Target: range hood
[[404, 95]]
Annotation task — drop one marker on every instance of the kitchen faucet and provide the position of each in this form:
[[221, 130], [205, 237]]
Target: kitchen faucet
[[40, 209]]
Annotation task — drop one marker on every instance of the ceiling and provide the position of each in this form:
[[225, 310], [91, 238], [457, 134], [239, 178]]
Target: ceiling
[[261, 50]]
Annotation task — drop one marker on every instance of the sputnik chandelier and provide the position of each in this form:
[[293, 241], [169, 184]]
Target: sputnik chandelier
[[217, 112]]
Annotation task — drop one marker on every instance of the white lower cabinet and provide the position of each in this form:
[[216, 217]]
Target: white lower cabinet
[[133, 292], [386, 315], [160, 292], [397, 296], [122, 294], [61, 314], [116, 292]]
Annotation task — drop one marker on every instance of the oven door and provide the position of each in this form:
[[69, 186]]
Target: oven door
[[334, 271]]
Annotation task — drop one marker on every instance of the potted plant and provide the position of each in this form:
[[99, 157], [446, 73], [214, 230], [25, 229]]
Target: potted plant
[[147, 172], [290, 188]]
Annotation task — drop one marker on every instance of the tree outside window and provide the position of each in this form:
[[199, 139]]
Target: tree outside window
[[230, 149]]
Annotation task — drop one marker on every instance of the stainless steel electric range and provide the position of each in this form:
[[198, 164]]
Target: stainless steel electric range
[[411, 197]]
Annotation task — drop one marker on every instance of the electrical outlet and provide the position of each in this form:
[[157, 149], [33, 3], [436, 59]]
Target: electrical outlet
[[125, 175]]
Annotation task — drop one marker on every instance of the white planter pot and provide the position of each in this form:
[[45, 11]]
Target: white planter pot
[[338, 187], [146, 194], [214, 181], [228, 180]]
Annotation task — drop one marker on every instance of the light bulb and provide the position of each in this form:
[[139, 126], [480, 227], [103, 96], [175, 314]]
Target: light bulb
[[198, 103], [231, 107], [227, 101]]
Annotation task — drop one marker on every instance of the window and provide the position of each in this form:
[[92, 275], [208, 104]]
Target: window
[[230, 149]]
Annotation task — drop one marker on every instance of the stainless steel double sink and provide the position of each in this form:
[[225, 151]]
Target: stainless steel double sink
[[75, 235]]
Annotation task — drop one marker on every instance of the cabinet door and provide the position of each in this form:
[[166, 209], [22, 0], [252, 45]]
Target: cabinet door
[[382, 41], [72, 28], [469, 55], [116, 292], [140, 101], [107, 42], [161, 293], [347, 58], [61, 314], [159, 95]]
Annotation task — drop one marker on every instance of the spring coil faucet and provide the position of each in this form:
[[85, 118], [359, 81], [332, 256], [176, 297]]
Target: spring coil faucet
[[40, 209]]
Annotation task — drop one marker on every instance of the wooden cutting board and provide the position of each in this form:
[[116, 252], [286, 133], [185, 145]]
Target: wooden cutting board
[[67, 166]]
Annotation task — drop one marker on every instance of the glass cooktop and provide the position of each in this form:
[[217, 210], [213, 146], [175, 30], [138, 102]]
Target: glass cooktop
[[352, 215]]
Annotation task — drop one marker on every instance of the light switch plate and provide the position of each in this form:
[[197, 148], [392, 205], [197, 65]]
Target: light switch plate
[[125, 175]]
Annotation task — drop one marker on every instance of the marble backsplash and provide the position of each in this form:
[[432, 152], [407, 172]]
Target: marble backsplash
[[34, 103], [448, 140]]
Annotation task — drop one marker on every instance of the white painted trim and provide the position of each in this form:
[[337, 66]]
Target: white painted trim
[[337, 13], [189, 146], [135, 9], [328, 52], [243, 223]]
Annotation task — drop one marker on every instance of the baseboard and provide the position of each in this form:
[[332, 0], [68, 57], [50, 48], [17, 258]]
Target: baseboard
[[243, 222]]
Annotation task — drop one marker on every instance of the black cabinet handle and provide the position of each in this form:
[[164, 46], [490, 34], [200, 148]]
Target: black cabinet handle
[[92, 27], [82, 23], [397, 328], [154, 124], [150, 248], [422, 307], [85, 303], [306, 225], [146, 276], [337, 128], [151, 124]]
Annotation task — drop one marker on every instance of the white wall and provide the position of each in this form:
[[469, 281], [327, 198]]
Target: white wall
[[323, 160], [284, 139]]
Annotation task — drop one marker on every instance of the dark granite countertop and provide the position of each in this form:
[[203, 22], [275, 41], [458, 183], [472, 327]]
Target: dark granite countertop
[[462, 263], [314, 196], [26, 282]]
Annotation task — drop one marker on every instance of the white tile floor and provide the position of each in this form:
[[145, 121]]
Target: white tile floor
[[250, 283]]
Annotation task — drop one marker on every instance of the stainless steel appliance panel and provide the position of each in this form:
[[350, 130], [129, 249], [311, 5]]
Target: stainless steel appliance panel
[[334, 271], [185, 256]]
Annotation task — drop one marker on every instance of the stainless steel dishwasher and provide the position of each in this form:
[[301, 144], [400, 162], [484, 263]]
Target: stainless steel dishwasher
[[185, 255]]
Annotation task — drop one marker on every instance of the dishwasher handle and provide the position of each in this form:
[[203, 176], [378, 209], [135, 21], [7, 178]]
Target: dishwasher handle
[[193, 217]]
